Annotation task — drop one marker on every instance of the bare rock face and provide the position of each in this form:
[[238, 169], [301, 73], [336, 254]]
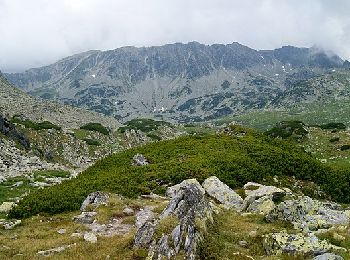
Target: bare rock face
[[95, 199], [222, 193], [178, 228]]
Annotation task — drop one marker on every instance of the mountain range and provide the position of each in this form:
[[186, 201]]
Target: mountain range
[[179, 82]]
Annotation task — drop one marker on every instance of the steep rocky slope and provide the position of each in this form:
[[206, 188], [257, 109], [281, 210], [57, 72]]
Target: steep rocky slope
[[16, 102], [183, 82]]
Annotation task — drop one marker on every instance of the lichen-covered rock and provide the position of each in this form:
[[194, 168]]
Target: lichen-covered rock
[[263, 205], [222, 193], [94, 199], [140, 160], [328, 256], [189, 210], [278, 243], [309, 214]]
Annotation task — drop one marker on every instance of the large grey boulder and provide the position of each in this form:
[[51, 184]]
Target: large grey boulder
[[94, 199], [188, 213], [222, 193], [328, 256], [278, 243], [309, 214]]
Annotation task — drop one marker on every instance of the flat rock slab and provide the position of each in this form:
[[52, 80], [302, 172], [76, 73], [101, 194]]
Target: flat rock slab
[[222, 193]]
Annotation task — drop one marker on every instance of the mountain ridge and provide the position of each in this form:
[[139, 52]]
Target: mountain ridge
[[176, 82]]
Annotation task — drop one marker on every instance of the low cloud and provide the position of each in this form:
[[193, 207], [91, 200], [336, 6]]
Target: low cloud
[[38, 32]]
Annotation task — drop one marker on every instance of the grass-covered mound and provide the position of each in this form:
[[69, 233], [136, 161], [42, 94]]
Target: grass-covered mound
[[235, 160]]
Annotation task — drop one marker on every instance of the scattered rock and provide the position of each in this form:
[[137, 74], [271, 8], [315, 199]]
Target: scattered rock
[[114, 227], [90, 237], [85, 218], [61, 231], [128, 211], [140, 160], [243, 243], [222, 193], [278, 243], [10, 224], [53, 251], [94, 199]]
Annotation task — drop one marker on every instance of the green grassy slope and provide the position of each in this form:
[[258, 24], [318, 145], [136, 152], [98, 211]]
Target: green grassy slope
[[235, 160]]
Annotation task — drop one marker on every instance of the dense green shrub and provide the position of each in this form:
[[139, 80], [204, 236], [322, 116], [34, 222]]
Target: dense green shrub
[[145, 125], [334, 139], [339, 126], [345, 147], [97, 127], [92, 141], [286, 129], [235, 160], [34, 125]]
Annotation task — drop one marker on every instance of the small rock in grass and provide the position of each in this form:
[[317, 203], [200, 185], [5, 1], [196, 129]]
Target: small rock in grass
[[90, 237]]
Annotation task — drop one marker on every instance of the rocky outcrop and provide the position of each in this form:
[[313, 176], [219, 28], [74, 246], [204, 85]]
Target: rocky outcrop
[[308, 214], [9, 129], [178, 228]]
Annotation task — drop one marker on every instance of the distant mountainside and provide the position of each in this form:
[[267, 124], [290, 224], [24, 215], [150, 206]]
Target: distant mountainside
[[181, 82], [16, 102]]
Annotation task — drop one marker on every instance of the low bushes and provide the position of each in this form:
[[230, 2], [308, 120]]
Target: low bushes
[[145, 125], [34, 125], [97, 127]]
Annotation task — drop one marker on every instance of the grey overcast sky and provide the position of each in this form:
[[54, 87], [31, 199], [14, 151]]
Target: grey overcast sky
[[39, 32]]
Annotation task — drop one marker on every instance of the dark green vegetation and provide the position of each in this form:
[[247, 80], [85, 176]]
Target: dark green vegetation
[[286, 129], [97, 127], [34, 125], [92, 142], [332, 126], [145, 125], [234, 159]]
